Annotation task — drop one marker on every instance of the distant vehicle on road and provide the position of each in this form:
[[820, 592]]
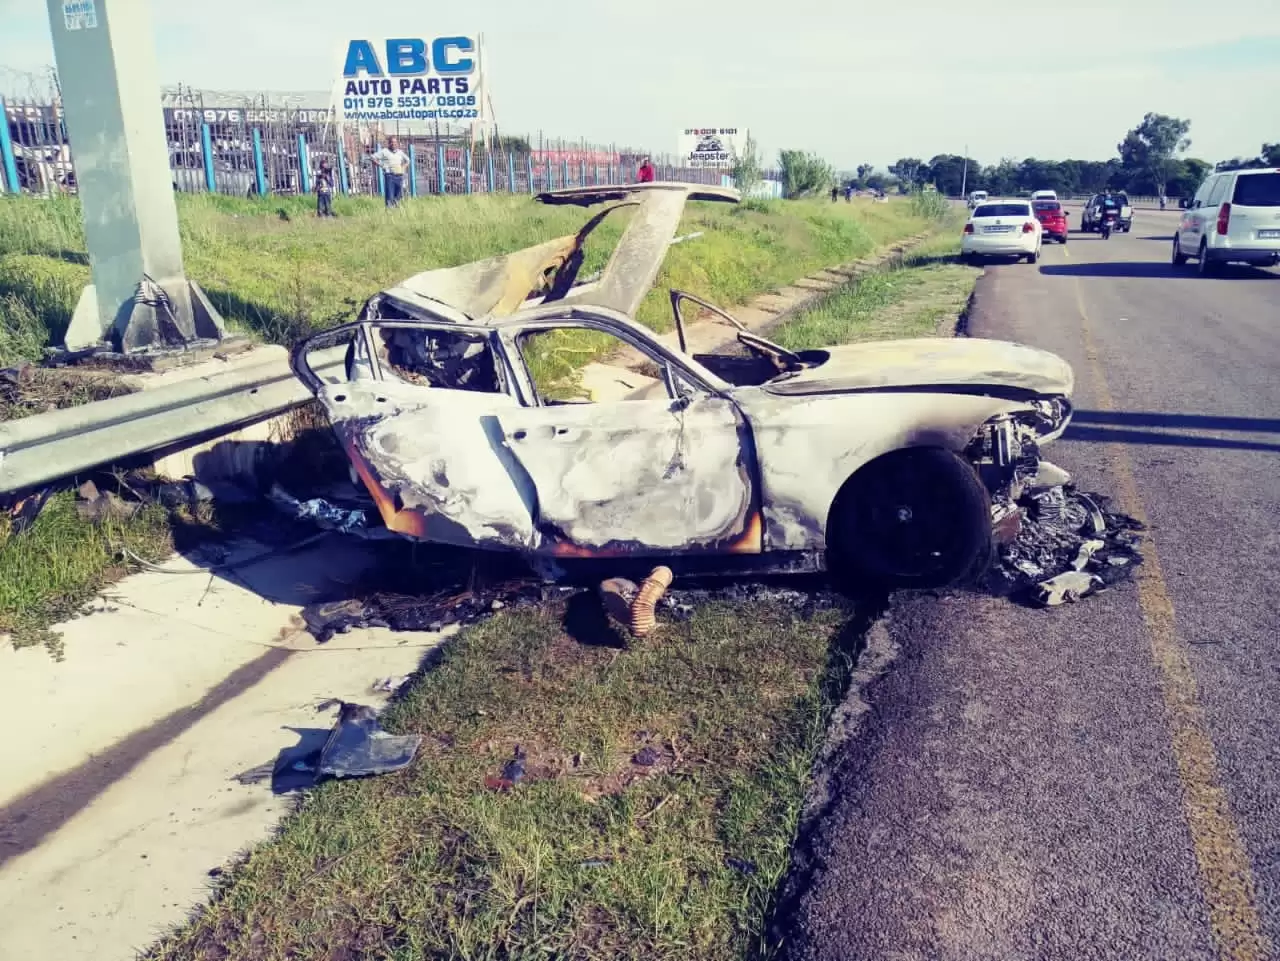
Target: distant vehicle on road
[[1044, 195], [1091, 218], [1053, 219], [1007, 228], [1235, 217], [976, 197]]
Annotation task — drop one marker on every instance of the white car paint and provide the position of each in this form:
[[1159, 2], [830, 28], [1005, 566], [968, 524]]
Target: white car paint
[[1045, 195], [1002, 228], [1235, 216]]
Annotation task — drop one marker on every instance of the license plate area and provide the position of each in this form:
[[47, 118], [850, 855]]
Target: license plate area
[[1002, 229], [1269, 234]]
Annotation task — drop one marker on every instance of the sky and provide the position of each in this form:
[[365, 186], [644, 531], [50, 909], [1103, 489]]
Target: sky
[[854, 83]]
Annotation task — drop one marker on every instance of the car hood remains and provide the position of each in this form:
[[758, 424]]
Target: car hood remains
[[930, 362]]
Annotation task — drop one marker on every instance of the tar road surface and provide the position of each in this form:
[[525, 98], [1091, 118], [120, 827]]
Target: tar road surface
[[1100, 780]]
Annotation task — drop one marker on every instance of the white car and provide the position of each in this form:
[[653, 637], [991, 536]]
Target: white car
[[1003, 228], [1045, 195], [1235, 216], [976, 197]]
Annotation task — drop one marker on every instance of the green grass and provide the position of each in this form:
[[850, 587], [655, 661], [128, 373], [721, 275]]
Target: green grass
[[908, 300], [593, 856], [272, 268], [51, 570]]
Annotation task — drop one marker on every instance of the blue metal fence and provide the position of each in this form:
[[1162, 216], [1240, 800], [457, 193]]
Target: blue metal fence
[[264, 150]]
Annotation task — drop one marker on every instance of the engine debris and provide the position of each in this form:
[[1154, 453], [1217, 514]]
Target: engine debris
[[1071, 545]]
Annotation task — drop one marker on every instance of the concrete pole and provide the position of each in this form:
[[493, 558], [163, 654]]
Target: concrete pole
[[140, 298]]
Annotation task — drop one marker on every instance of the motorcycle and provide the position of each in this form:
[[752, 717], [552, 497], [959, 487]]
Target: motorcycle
[[1109, 218]]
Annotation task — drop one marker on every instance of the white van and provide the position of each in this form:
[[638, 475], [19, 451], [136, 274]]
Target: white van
[[1235, 217], [976, 197], [1044, 195]]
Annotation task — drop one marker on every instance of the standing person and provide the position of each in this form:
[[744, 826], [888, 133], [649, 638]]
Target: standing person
[[394, 162], [835, 194], [646, 172], [324, 189]]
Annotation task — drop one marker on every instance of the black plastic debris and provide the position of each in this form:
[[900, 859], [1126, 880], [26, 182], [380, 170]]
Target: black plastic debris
[[646, 757], [1071, 545], [744, 867]]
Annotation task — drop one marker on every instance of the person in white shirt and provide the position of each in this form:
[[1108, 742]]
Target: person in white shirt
[[394, 162]]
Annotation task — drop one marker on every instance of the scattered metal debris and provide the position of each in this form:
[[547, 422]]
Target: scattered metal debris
[[326, 515], [389, 685], [1071, 545], [512, 773]]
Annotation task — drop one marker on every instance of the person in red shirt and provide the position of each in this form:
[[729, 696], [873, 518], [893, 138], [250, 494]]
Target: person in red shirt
[[645, 174]]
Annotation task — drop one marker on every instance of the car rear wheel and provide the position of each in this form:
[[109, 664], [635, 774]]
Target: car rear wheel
[[1206, 266], [1179, 258], [915, 518]]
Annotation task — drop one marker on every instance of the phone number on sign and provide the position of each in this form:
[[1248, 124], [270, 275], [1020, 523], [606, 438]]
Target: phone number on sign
[[407, 103]]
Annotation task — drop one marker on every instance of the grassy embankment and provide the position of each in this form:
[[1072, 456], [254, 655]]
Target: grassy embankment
[[274, 270], [595, 856]]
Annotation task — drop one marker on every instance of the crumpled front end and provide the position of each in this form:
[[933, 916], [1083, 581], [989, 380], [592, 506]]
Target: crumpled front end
[[1007, 455]]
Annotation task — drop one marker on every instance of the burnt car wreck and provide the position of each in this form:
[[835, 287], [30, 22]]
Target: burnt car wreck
[[904, 463]]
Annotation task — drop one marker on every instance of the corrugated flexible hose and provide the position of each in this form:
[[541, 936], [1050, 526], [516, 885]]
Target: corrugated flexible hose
[[643, 619]]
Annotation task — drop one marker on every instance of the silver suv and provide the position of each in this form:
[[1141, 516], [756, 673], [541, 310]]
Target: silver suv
[[1235, 217]]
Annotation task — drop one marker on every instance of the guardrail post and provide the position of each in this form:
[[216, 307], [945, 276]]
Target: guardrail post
[[343, 183], [206, 148], [440, 184], [304, 165], [511, 172], [528, 162], [413, 171], [489, 158], [466, 170], [259, 170], [6, 152]]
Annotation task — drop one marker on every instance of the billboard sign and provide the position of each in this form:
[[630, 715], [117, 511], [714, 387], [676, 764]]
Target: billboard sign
[[406, 79], [711, 147]]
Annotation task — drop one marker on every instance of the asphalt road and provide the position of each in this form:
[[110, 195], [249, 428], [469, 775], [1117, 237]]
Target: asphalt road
[[1102, 780]]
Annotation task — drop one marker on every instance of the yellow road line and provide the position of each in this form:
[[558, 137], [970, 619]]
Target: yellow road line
[[1225, 872]]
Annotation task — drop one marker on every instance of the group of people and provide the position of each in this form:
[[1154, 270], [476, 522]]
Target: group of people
[[394, 163]]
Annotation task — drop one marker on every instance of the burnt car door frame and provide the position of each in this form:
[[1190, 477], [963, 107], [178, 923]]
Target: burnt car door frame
[[634, 513]]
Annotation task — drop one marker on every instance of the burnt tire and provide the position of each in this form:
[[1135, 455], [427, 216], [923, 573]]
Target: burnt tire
[[915, 518]]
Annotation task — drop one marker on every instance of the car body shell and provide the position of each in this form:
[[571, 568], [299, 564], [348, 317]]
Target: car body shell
[[701, 466], [1091, 215]]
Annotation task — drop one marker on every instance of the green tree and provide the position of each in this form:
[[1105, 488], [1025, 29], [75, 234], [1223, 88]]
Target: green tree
[[910, 170], [948, 173], [804, 174], [747, 172], [1152, 147], [1271, 154]]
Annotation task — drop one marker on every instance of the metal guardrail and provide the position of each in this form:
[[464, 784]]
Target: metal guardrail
[[43, 448]]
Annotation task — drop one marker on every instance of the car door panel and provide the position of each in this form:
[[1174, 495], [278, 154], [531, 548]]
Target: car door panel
[[639, 476], [433, 461]]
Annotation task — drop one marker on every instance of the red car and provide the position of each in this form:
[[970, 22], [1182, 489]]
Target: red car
[[1053, 219]]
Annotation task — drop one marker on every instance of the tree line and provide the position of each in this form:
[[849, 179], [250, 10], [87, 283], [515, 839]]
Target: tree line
[[1150, 161]]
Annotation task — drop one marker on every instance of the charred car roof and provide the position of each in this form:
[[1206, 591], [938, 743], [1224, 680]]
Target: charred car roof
[[490, 291]]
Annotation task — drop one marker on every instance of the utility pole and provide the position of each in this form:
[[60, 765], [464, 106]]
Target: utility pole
[[964, 177], [139, 298]]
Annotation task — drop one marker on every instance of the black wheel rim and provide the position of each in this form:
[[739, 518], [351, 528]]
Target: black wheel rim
[[909, 523]]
